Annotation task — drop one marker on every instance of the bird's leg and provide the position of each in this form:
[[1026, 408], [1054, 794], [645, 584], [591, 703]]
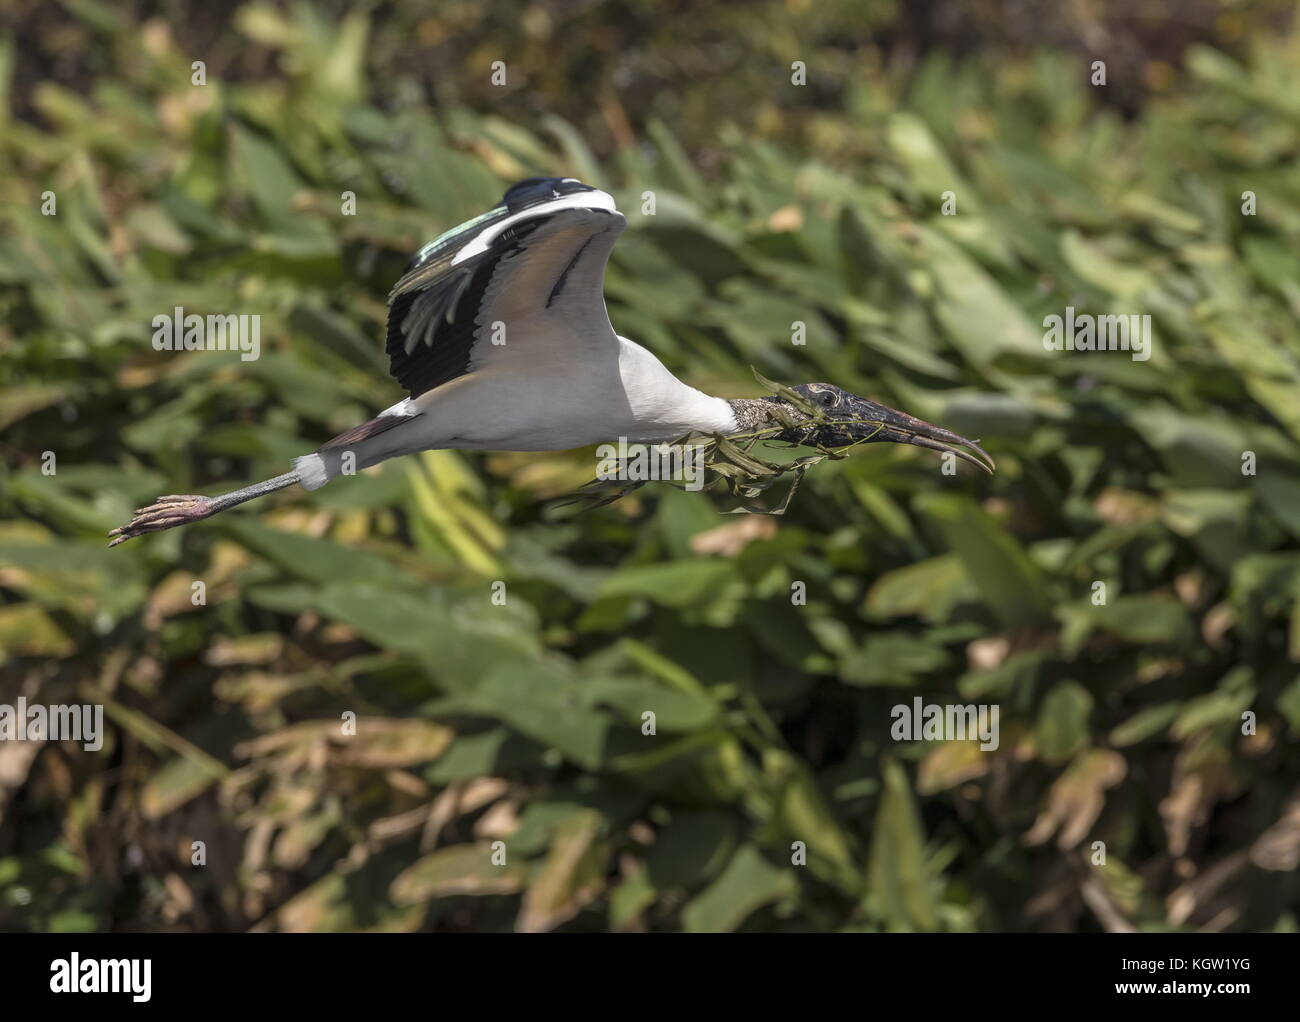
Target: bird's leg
[[181, 509]]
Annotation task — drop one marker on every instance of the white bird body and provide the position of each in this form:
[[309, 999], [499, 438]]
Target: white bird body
[[499, 333], [627, 393], [623, 392]]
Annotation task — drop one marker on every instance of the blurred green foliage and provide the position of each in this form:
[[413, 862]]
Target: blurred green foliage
[[478, 722]]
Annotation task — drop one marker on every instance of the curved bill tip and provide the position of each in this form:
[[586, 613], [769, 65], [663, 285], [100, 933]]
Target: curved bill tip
[[898, 427], [984, 461]]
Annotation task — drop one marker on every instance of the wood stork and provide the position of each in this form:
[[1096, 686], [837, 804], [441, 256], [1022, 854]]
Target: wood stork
[[499, 333]]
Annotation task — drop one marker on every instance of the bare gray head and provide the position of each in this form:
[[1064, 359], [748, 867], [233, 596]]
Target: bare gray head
[[835, 418]]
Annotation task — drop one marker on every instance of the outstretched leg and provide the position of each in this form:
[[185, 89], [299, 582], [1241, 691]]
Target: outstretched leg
[[181, 509]]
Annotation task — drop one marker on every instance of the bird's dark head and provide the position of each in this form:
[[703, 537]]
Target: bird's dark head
[[534, 191], [528, 203], [823, 415]]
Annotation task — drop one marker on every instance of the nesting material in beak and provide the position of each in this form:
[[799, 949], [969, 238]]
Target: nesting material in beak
[[841, 419]]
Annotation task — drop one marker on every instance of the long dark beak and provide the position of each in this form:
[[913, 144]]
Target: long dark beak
[[871, 422]]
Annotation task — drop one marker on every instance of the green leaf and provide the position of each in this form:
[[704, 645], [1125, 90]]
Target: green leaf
[[674, 584], [1013, 587], [1062, 728], [929, 588], [1145, 724], [895, 659], [691, 848], [318, 560], [747, 884], [179, 781], [899, 885], [546, 705]]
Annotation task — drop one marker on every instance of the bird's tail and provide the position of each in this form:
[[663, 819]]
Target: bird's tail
[[312, 470], [349, 451]]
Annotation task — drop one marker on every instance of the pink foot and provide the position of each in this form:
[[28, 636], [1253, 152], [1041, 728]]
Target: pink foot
[[169, 511]]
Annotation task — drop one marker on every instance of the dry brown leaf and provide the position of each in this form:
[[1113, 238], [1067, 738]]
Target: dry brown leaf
[[1278, 848], [950, 764], [458, 869], [1185, 900], [1118, 506], [729, 539], [1077, 798], [1202, 774], [570, 877], [986, 654]]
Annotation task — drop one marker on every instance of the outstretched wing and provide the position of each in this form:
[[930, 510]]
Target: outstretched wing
[[544, 248]]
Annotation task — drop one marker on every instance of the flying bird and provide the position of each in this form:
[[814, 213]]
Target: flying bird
[[499, 333]]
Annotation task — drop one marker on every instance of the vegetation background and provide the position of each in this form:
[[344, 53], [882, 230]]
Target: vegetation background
[[1121, 723]]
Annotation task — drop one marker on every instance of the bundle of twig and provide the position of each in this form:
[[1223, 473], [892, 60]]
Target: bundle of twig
[[730, 463]]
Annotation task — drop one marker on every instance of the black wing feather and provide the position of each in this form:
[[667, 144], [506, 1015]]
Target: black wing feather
[[433, 309]]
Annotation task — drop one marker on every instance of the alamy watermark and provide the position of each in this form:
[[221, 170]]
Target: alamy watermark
[[950, 722], [56, 723], [652, 463], [77, 975], [1085, 332], [179, 332]]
